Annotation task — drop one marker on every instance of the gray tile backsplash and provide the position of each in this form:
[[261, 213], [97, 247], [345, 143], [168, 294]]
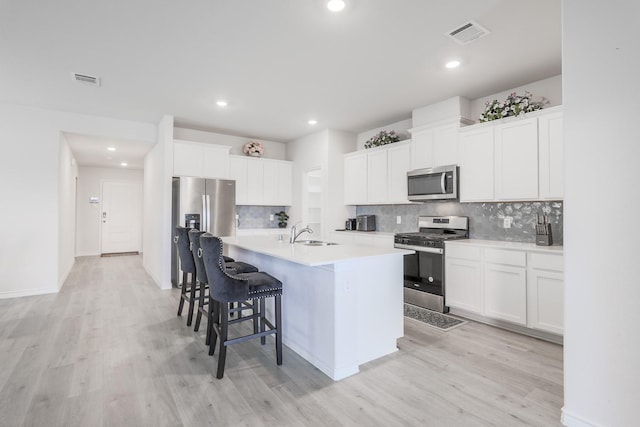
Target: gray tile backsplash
[[257, 216], [486, 220]]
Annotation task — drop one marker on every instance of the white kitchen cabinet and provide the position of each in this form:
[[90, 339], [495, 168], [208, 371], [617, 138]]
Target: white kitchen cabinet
[[261, 182], [434, 145], [545, 293], [200, 160], [399, 163], [505, 293], [463, 272], [377, 176], [476, 165], [355, 178], [551, 152], [516, 160]]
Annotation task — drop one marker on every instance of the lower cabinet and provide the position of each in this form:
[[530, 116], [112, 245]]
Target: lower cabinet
[[524, 286]]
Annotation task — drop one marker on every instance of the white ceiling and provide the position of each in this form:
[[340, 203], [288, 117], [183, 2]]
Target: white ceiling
[[92, 151], [278, 63]]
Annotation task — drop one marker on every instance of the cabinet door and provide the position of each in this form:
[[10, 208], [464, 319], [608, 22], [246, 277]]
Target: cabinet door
[[545, 301], [476, 165], [422, 149], [505, 293], [551, 150], [399, 163], [516, 157], [255, 182], [269, 182], [463, 285], [238, 171], [187, 159], [355, 179], [285, 183], [445, 145], [215, 162], [377, 177]]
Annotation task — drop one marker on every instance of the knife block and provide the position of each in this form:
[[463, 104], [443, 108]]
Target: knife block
[[544, 239]]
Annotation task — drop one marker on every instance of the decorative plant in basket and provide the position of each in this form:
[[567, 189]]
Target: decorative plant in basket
[[253, 148], [514, 105], [282, 219], [382, 138]]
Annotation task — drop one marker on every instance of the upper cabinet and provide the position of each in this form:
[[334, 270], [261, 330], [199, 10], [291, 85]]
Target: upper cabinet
[[377, 175], [200, 160], [262, 182], [518, 159], [434, 145]]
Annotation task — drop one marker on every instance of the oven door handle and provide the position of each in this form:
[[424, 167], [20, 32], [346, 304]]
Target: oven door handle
[[439, 251]]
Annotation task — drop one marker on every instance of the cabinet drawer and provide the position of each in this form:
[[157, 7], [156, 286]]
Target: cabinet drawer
[[499, 256], [463, 252], [546, 261]]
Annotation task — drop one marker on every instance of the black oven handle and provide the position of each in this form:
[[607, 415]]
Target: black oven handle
[[439, 251]]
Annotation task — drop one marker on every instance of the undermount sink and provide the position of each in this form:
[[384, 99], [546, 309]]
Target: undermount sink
[[315, 243]]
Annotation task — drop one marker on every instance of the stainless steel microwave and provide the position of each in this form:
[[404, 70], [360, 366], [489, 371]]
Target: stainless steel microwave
[[433, 183]]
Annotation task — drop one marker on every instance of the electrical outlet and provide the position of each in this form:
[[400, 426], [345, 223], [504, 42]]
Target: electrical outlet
[[271, 217], [508, 220], [398, 219]]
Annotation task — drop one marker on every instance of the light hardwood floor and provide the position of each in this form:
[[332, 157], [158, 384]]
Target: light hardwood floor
[[109, 350]]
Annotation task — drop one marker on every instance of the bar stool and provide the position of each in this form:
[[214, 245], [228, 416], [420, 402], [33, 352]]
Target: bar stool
[[201, 275], [227, 288], [187, 265]]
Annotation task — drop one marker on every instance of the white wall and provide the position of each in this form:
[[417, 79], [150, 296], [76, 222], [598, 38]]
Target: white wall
[[88, 234], [601, 59], [400, 127], [550, 88], [323, 150], [272, 149], [158, 170], [68, 171], [30, 188]]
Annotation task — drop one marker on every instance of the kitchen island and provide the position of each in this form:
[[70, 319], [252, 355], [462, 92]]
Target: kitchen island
[[342, 305]]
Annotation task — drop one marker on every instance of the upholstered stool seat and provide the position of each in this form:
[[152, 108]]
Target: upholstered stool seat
[[201, 275], [226, 288]]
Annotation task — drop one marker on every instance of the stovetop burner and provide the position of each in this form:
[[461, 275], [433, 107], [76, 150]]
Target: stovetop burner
[[434, 231]]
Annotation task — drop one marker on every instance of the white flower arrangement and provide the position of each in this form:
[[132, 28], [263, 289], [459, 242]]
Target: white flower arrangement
[[253, 148], [514, 105], [382, 138]]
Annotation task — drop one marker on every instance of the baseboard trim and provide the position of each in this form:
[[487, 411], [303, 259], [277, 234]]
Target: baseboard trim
[[28, 293], [543, 335], [570, 419]]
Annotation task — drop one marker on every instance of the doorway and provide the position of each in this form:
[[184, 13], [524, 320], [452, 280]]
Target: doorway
[[121, 217]]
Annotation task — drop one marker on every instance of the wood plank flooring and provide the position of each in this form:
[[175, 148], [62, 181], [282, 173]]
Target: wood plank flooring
[[109, 350]]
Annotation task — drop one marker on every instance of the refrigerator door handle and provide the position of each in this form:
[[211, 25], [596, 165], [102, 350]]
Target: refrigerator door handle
[[203, 222], [208, 208]]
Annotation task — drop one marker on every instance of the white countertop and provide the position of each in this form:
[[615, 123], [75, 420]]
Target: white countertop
[[366, 233], [531, 247], [308, 255]]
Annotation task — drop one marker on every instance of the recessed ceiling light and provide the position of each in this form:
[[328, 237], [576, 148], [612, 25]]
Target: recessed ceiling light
[[111, 148], [335, 5], [452, 64], [124, 164], [221, 103], [313, 122]]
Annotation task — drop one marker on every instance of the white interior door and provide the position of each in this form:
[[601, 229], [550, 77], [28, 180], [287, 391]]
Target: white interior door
[[121, 217]]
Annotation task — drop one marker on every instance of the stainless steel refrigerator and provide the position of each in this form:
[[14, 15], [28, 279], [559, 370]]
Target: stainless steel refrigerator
[[204, 204]]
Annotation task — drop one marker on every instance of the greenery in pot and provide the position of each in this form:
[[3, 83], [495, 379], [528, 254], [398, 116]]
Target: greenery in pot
[[382, 138], [514, 105], [282, 219]]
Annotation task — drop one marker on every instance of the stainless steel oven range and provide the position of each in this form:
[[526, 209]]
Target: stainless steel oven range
[[424, 281]]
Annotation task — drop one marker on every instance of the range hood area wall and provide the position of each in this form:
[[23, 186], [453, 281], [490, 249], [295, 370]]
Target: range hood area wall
[[486, 220]]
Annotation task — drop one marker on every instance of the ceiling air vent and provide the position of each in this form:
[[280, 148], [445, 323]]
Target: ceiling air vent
[[467, 33], [84, 78]]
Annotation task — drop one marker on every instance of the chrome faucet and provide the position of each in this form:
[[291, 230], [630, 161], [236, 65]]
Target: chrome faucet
[[295, 233]]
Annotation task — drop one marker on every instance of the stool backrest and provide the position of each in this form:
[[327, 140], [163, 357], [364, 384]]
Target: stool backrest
[[181, 239], [222, 286], [194, 238]]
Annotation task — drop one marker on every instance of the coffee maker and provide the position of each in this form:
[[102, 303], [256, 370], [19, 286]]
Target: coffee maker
[[350, 224]]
